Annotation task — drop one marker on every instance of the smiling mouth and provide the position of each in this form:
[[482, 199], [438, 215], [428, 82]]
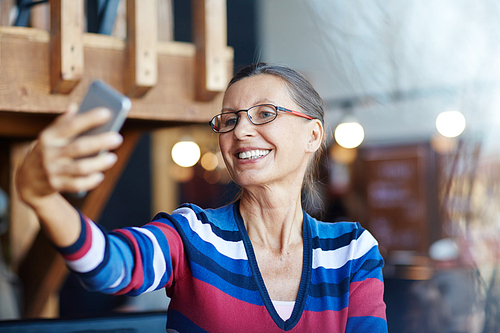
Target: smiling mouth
[[251, 154]]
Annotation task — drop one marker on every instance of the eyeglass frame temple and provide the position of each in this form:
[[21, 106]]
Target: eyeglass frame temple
[[278, 108], [296, 113]]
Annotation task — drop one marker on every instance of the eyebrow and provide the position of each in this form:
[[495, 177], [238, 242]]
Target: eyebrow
[[259, 102]]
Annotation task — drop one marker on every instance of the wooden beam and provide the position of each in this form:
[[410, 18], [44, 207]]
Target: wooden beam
[[66, 45], [142, 36], [24, 83], [43, 270], [210, 38]]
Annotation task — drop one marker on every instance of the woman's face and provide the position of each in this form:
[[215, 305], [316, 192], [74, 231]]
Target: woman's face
[[279, 150]]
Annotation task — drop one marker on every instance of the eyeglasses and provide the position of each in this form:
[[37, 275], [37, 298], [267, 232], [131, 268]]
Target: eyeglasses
[[258, 115]]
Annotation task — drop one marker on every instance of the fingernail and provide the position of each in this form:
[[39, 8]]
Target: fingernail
[[111, 158], [104, 113], [115, 138], [99, 177]]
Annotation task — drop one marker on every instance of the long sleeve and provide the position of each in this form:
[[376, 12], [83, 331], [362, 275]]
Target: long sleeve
[[129, 260], [366, 305]]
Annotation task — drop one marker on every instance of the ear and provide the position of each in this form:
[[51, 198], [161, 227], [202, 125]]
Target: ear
[[316, 132]]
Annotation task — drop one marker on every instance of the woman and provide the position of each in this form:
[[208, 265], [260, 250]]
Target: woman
[[260, 264]]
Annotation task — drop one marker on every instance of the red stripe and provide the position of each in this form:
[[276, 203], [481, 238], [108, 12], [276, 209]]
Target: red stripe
[[138, 273], [86, 244], [366, 298], [215, 311], [324, 321]]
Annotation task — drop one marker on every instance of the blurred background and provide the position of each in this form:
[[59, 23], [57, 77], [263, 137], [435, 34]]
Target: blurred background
[[412, 100]]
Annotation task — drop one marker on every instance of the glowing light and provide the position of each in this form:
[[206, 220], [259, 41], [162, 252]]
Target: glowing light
[[349, 134], [450, 123], [186, 153], [209, 161]]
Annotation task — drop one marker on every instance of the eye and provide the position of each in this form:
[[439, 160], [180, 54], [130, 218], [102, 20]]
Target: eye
[[228, 119], [264, 112]]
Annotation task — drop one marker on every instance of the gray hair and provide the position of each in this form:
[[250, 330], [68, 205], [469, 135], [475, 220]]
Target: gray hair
[[311, 104]]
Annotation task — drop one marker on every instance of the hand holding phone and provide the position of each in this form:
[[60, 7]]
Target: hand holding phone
[[101, 94]]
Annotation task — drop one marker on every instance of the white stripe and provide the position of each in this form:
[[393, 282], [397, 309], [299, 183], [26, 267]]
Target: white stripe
[[159, 265], [338, 257], [233, 250], [95, 254], [119, 280]]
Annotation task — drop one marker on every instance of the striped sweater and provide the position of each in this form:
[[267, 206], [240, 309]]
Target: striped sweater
[[205, 261]]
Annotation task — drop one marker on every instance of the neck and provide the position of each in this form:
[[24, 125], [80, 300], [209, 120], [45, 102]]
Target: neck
[[273, 218]]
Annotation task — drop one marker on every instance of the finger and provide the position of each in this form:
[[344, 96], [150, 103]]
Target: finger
[[92, 144], [70, 125], [72, 108], [83, 167], [78, 184], [82, 122]]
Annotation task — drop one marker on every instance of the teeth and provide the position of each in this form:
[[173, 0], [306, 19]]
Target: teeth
[[251, 154]]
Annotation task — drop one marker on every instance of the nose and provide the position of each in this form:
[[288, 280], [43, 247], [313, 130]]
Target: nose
[[244, 127]]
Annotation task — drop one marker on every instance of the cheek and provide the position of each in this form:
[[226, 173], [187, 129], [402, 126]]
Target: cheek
[[224, 146]]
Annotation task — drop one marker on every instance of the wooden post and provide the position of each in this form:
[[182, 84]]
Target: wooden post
[[24, 223], [142, 37], [66, 45], [210, 38]]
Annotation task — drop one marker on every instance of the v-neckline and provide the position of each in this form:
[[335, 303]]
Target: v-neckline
[[305, 277]]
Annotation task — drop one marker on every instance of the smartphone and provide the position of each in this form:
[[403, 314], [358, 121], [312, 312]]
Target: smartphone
[[101, 94]]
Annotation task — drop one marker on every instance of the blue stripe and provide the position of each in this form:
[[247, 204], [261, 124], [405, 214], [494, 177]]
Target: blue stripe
[[248, 293], [370, 268], [330, 275], [146, 252], [165, 253], [326, 303], [242, 281], [208, 251], [366, 324], [327, 244]]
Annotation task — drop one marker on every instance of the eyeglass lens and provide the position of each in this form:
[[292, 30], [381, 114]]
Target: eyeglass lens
[[258, 115]]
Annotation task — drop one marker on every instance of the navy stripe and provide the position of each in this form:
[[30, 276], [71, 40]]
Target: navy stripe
[[327, 244], [181, 323], [329, 289], [79, 242]]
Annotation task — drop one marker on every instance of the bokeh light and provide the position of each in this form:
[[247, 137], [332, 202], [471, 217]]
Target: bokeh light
[[349, 135], [450, 123], [209, 161], [186, 153]]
